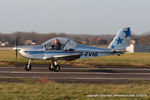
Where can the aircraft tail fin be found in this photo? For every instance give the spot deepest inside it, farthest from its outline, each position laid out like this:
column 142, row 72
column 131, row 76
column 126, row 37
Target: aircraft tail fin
column 122, row 39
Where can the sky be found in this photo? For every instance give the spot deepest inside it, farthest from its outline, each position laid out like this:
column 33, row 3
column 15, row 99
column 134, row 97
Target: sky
column 74, row 16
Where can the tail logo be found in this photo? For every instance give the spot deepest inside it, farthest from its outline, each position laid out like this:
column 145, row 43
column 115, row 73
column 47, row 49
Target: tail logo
column 119, row 40
column 112, row 46
column 127, row 33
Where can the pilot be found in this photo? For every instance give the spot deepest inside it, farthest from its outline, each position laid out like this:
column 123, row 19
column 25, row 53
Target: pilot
column 56, row 45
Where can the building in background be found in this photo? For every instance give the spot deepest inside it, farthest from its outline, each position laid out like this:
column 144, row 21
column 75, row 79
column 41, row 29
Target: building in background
column 29, row 42
column 4, row 44
column 138, row 47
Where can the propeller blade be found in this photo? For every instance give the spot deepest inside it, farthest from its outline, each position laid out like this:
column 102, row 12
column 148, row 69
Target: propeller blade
column 16, row 44
column 16, row 54
column 16, row 41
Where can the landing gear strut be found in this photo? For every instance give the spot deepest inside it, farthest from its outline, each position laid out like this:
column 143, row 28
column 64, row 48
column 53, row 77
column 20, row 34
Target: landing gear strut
column 54, row 66
column 28, row 66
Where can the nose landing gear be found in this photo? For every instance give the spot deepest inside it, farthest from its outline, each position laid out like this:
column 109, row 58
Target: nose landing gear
column 28, row 66
column 54, row 66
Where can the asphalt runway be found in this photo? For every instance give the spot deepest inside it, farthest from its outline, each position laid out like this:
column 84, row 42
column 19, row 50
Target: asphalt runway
column 74, row 74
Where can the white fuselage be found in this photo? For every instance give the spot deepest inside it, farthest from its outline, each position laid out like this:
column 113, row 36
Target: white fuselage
column 39, row 52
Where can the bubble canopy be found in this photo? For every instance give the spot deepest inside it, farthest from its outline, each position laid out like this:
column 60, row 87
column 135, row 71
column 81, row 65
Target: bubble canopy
column 66, row 44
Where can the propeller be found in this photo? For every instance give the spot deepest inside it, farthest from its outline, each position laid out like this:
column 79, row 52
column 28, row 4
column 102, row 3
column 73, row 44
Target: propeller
column 16, row 47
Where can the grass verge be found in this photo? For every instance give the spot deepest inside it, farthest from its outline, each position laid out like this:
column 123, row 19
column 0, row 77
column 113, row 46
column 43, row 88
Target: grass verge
column 55, row 91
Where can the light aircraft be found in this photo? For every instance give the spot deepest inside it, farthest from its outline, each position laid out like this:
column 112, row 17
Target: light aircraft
column 66, row 49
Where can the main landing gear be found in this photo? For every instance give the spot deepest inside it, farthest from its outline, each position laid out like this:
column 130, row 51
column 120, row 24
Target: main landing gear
column 54, row 66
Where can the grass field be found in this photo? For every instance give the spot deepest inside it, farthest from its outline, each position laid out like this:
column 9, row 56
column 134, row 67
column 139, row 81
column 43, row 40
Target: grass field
column 135, row 59
column 55, row 91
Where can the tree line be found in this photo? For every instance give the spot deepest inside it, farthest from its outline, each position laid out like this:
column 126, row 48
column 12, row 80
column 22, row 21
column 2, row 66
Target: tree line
column 39, row 38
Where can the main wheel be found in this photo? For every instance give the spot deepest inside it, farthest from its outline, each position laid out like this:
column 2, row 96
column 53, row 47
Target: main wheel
column 56, row 68
column 51, row 68
column 28, row 68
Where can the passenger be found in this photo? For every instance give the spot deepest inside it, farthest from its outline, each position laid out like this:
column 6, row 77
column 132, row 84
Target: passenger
column 56, row 45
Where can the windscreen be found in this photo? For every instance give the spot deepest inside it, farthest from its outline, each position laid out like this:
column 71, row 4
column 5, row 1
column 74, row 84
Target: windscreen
column 57, row 43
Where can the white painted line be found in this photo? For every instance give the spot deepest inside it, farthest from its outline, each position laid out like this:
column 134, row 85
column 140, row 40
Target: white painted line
column 126, row 68
column 115, row 78
column 79, row 78
column 83, row 73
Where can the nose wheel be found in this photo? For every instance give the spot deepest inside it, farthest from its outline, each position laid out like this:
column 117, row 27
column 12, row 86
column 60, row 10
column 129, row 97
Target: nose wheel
column 28, row 66
column 54, row 66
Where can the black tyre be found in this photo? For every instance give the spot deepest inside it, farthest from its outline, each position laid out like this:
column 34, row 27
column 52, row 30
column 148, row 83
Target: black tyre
column 51, row 68
column 28, row 68
column 56, row 68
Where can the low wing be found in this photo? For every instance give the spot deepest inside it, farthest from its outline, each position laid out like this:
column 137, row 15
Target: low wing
column 67, row 57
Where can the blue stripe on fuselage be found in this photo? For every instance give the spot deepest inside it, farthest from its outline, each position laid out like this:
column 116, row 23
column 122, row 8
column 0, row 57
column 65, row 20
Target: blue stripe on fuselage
column 43, row 52
column 58, row 52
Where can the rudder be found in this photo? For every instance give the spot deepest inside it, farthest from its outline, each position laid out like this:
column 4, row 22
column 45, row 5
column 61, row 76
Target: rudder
column 122, row 39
